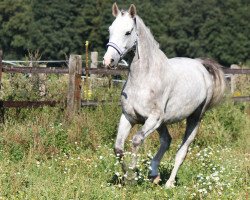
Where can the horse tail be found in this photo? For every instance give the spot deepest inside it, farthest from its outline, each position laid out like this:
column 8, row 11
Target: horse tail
column 219, row 86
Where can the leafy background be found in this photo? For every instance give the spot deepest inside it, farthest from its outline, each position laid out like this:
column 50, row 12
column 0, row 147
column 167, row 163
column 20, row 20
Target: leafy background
column 192, row 28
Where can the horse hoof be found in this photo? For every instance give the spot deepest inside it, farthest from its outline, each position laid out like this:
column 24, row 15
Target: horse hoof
column 169, row 185
column 130, row 176
column 130, row 179
column 156, row 180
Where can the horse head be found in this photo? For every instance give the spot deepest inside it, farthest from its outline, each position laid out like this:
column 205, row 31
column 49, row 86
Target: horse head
column 122, row 35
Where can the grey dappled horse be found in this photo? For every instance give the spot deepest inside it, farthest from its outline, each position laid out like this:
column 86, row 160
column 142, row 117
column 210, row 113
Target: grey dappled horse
column 159, row 91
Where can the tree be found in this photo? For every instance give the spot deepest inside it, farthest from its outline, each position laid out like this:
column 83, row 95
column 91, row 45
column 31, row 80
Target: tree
column 16, row 25
column 192, row 28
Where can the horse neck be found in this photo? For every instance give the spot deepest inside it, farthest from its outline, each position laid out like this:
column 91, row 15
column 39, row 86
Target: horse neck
column 148, row 56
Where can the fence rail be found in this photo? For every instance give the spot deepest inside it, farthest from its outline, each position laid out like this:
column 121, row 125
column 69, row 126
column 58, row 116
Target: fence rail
column 35, row 70
column 100, row 71
column 241, row 99
column 27, row 104
column 236, row 71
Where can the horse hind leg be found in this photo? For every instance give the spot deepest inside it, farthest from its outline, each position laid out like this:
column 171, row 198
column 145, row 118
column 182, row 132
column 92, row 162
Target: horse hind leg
column 193, row 122
column 165, row 140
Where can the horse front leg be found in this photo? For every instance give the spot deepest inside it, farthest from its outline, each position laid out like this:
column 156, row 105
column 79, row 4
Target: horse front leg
column 123, row 131
column 151, row 124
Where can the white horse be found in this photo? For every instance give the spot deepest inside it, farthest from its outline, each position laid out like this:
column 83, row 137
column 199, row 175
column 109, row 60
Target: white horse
column 159, row 91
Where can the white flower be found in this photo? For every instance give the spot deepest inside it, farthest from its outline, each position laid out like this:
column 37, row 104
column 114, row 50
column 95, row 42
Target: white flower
column 117, row 174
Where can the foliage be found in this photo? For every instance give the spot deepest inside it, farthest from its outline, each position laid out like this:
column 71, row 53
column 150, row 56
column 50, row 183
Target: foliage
column 198, row 28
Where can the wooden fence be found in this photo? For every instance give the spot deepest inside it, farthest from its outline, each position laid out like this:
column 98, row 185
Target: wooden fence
column 75, row 71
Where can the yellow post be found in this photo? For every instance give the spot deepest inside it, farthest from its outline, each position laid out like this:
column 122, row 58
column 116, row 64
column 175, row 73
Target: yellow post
column 87, row 90
column 87, row 62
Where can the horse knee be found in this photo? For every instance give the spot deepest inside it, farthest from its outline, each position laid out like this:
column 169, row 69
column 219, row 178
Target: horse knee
column 118, row 152
column 137, row 139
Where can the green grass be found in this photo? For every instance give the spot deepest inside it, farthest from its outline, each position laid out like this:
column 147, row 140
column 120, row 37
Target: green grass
column 42, row 156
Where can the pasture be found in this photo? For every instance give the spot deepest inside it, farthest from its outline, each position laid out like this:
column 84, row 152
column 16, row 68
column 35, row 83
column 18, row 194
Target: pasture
column 45, row 157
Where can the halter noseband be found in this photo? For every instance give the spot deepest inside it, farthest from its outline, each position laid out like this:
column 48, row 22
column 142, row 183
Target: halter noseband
column 119, row 51
column 112, row 44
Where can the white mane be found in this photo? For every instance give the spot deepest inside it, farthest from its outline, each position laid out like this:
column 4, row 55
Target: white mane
column 143, row 28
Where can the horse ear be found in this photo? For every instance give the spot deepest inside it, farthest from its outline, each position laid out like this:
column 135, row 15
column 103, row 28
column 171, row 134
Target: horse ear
column 115, row 10
column 132, row 10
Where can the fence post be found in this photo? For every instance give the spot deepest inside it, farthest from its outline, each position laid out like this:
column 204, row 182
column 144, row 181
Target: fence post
column 1, row 68
column 2, row 111
column 93, row 65
column 94, row 60
column 42, row 80
column 74, row 87
column 233, row 79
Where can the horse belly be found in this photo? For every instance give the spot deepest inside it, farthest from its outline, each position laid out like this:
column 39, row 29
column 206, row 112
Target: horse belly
column 183, row 103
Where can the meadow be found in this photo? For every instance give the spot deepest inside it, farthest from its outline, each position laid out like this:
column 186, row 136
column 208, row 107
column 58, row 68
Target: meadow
column 43, row 156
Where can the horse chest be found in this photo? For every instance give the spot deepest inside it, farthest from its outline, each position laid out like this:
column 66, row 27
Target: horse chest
column 135, row 104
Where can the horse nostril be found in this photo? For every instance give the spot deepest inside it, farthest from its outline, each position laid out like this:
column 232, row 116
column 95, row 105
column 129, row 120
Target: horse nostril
column 112, row 60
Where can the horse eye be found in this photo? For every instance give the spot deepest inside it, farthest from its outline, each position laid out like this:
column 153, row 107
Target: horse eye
column 128, row 33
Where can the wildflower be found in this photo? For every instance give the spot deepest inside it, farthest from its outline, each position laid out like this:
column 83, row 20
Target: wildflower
column 117, row 174
column 101, row 157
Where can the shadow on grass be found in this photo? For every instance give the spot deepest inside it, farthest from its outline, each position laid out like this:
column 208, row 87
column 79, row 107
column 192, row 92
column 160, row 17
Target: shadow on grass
column 115, row 180
column 164, row 174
